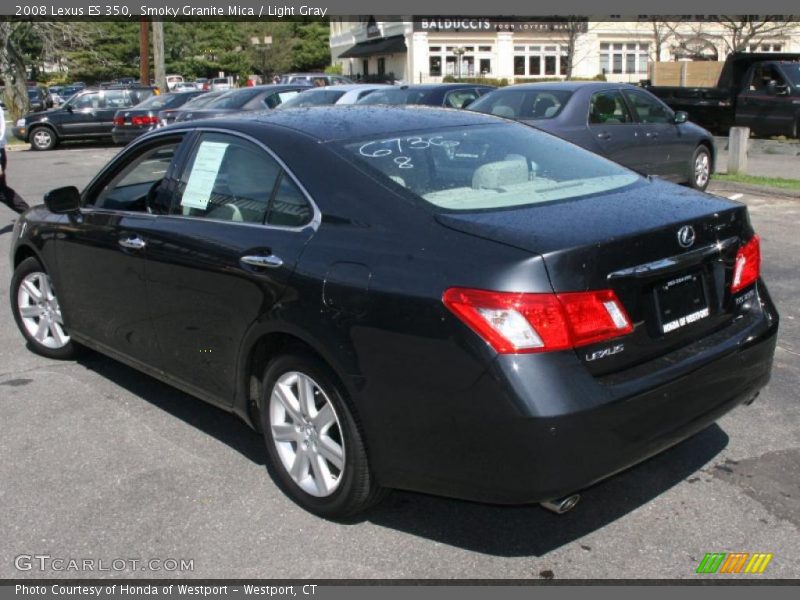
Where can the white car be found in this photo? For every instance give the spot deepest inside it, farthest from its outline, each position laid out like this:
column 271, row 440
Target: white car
column 333, row 94
column 219, row 84
column 173, row 80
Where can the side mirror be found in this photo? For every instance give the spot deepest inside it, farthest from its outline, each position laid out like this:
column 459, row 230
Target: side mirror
column 63, row 200
column 680, row 117
column 772, row 87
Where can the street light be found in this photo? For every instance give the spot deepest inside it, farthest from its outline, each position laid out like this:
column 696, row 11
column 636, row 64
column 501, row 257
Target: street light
column 262, row 47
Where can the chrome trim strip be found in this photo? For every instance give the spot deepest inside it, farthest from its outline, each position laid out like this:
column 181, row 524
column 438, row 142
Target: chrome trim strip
column 674, row 263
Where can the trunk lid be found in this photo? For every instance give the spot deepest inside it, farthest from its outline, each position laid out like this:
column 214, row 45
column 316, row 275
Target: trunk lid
column 628, row 241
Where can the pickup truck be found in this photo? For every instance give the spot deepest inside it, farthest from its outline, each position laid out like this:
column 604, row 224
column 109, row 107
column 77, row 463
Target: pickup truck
column 756, row 90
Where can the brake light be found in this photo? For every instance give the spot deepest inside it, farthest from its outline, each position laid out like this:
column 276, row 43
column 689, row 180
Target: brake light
column 516, row 322
column 747, row 266
column 119, row 121
column 144, row 120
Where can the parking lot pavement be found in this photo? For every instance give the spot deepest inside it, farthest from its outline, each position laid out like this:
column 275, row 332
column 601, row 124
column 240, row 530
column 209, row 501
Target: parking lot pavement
column 99, row 461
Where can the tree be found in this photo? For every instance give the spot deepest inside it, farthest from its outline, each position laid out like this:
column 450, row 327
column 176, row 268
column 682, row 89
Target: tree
column 24, row 46
column 736, row 32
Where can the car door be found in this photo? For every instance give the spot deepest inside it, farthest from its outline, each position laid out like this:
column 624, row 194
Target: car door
column 613, row 131
column 762, row 105
column 79, row 118
column 101, row 253
column 223, row 257
column 668, row 152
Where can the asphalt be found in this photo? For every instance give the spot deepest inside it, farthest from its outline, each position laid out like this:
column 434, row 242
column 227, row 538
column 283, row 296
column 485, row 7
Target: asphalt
column 102, row 462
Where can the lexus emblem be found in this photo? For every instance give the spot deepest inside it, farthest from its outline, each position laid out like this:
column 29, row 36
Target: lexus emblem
column 686, row 236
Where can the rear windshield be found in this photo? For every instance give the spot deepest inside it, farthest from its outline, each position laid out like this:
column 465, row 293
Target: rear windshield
column 162, row 101
column 488, row 166
column 235, row 99
column 314, row 98
column 793, row 73
column 522, row 104
column 397, row 96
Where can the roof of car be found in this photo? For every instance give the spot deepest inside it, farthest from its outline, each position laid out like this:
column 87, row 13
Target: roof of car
column 439, row 86
column 348, row 87
column 327, row 123
column 568, row 86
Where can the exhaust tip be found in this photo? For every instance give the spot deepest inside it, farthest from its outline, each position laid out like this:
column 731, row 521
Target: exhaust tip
column 562, row 505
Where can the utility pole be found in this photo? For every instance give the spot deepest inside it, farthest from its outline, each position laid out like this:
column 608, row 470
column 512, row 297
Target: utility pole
column 144, row 52
column 158, row 56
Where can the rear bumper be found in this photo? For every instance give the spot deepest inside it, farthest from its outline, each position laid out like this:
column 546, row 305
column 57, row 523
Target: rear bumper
column 125, row 135
column 565, row 431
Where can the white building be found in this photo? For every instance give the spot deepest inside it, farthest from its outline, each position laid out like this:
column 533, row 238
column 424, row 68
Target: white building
column 426, row 49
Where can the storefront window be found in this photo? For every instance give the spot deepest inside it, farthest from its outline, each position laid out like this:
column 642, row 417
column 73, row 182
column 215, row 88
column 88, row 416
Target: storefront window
column 435, row 66
column 630, row 57
column 381, row 66
column 519, row 65
column 460, row 61
column 540, row 60
column 486, row 66
column 549, row 65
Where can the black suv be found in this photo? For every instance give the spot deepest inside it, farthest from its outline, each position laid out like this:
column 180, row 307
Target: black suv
column 88, row 115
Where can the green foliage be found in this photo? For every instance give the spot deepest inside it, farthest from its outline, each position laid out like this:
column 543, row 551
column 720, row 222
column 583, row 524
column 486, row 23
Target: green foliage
column 481, row 80
column 203, row 49
column 334, row 69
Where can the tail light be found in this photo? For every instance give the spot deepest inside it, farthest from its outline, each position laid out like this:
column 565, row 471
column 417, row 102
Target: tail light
column 140, row 121
column 119, row 121
column 747, row 266
column 516, row 322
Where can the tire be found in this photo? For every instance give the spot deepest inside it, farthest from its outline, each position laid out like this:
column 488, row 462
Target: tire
column 43, row 138
column 316, row 449
column 37, row 312
column 700, row 168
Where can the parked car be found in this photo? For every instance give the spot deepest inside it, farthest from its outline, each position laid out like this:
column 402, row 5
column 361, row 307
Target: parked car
column 186, row 86
column 220, row 84
column 173, row 80
column 203, row 83
column 39, row 98
column 333, row 94
column 70, row 90
column 130, row 123
column 620, row 121
column 447, row 302
column 315, row 79
column 170, row 115
column 756, row 90
column 55, row 94
column 87, row 115
column 452, row 95
column 261, row 97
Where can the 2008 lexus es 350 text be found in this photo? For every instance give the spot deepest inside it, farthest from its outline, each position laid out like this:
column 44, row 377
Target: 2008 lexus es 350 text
column 406, row 297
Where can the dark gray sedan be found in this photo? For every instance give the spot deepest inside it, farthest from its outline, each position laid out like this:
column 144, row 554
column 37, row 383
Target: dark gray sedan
column 620, row 121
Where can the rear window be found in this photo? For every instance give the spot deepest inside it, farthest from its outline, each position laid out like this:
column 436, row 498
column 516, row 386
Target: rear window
column 313, row 98
column 235, row 99
column 793, row 73
column 398, row 96
column 522, row 104
column 487, row 167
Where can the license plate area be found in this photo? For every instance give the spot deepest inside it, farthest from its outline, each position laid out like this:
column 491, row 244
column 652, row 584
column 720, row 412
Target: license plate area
column 681, row 301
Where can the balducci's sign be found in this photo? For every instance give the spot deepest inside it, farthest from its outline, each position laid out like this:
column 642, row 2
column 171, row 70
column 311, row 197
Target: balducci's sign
column 469, row 24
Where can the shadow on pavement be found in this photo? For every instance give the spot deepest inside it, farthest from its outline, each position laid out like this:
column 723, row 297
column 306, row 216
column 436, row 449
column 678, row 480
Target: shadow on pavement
column 488, row 529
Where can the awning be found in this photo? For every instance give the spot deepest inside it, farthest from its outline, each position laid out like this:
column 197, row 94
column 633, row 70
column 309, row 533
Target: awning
column 390, row 45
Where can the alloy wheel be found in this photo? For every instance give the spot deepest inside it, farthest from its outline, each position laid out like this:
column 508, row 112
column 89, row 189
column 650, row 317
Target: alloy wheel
column 307, row 434
column 42, row 138
column 40, row 312
column 702, row 169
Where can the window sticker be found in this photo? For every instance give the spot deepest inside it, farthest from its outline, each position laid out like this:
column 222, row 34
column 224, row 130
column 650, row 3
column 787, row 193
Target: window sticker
column 204, row 174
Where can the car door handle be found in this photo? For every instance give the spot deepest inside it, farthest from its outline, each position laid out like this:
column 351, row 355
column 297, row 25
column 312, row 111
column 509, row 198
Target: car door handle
column 133, row 243
column 652, row 134
column 261, row 260
column 604, row 135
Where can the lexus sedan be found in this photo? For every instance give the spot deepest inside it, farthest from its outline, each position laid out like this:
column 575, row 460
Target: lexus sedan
column 622, row 122
column 130, row 123
column 447, row 302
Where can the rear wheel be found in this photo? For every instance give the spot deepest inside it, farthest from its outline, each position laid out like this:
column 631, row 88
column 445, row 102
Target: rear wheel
column 37, row 311
column 700, row 168
column 316, row 449
column 43, row 138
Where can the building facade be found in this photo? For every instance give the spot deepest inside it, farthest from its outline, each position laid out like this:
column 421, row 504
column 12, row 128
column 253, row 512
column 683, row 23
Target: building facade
column 427, row 49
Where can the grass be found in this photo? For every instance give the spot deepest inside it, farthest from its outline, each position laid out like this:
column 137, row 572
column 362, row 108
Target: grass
column 776, row 182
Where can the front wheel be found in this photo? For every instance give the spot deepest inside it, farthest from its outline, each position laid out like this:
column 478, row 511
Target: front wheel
column 316, row 450
column 700, row 168
column 37, row 311
column 43, row 138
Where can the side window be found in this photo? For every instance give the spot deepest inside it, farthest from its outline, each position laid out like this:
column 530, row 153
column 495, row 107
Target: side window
column 289, row 207
column 227, row 179
column 763, row 75
column 130, row 189
column 278, row 98
column 116, row 99
column 649, row 110
column 91, row 100
column 457, row 98
column 608, row 108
